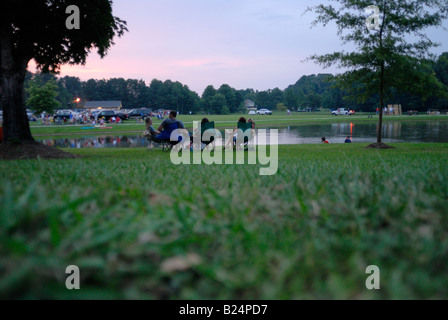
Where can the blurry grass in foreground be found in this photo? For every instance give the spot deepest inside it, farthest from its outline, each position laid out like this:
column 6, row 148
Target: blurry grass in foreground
column 139, row 227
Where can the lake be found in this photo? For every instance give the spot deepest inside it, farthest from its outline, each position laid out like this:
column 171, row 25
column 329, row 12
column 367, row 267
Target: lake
column 427, row 131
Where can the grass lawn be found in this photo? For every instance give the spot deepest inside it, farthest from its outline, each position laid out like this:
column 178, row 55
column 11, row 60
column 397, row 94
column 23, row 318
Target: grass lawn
column 139, row 227
column 225, row 121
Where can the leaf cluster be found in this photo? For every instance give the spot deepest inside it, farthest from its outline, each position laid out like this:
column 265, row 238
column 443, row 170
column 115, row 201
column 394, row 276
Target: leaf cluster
column 37, row 30
column 396, row 54
column 43, row 98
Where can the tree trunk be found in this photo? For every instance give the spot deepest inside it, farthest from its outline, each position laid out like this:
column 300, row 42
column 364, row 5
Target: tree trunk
column 382, row 80
column 380, row 121
column 16, row 127
column 13, row 68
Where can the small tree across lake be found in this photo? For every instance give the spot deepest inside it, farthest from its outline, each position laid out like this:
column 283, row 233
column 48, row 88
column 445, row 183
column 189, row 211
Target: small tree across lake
column 392, row 49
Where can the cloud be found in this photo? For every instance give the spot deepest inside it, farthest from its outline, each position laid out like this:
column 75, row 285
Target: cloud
column 206, row 63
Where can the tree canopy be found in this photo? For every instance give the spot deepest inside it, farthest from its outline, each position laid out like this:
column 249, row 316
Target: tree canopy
column 43, row 98
column 310, row 91
column 37, row 30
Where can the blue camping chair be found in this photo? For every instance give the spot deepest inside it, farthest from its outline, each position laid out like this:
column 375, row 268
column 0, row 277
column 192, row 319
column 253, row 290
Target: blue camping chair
column 163, row 140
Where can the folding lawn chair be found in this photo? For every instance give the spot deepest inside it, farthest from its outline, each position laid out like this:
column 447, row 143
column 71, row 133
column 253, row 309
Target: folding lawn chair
column 155, row 144
column 248, row 133
column 205, row 142
column 163, row 141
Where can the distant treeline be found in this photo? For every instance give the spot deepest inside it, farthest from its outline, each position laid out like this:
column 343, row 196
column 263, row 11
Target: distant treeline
column 313, row 91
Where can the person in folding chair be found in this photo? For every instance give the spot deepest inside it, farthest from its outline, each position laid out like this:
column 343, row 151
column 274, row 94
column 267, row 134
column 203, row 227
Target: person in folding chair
column 247, row 128
column 151, row 133
column 166, row 129
column 203, row 141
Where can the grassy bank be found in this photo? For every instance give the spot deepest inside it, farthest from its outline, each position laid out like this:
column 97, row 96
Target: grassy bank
column 139, row 227
column 227, row 121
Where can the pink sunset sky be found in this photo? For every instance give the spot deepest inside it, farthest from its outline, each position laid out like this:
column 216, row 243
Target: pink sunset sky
column 258, row 44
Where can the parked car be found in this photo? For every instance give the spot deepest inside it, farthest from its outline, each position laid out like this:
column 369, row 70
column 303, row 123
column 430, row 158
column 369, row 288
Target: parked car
column 64, row 112
column 123, row 115
column 252, row 112
column 140, row 113
column 340, row 112
column 30, row 115
column 264, row 112
column 61, row 117
column 108, row 115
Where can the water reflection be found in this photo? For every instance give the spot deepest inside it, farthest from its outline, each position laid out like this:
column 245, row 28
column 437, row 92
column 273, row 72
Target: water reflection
column 97, row 142
column 393, row 131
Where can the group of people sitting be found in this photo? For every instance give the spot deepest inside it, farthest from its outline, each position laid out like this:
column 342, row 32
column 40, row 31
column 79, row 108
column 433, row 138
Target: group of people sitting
column 325, row 140
column 163, row 133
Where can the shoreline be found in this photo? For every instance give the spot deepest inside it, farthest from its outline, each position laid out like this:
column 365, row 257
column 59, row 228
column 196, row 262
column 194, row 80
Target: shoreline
column 222, row 124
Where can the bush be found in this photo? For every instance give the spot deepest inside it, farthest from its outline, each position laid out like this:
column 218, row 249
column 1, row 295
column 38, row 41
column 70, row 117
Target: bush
column 281, row 107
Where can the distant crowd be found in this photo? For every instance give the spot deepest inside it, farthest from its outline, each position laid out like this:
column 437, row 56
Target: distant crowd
column 71, row 119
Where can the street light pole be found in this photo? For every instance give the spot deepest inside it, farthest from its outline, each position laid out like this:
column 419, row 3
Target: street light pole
column 77, row 101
